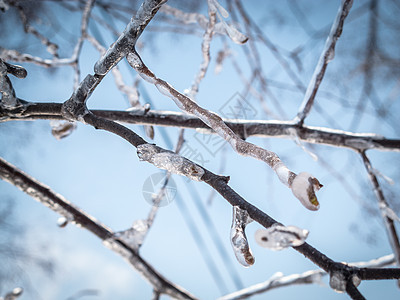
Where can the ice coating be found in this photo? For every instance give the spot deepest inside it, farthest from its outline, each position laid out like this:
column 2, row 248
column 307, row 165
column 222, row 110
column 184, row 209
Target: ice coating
column 235, row 35
column 278, row 237
column 61, row 129
column 304, row 186
column 388, row 212
column 126, row 41
column 170, row 161
column 242, row 147
column 283, row 173
column 238, row 237
column 134, row 236
column 337, row 281
column 7, row 93
column 328, row 53
column 113, row 245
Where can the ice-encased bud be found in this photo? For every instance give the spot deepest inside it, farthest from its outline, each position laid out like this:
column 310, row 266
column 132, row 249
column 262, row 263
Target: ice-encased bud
column 278, row 237
column 304, row 187
column 238, row 237
column 61, row 129
column 134, row 236
column 62, row 222
column 170, row 161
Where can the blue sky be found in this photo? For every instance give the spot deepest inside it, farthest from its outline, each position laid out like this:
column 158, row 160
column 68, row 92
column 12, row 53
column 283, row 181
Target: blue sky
column 101, row 174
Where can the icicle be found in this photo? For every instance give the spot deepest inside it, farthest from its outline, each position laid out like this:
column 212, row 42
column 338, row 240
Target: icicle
column 61, row 129
column 304, row 186
column 62, row 222
column 238, row 237
column 170, row 161
column 134, row 236
column 278, row 237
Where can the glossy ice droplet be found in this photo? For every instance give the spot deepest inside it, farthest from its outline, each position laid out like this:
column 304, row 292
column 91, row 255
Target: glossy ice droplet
column 62, row 222
column 278, row 237
column 61, row 129
column 238, row 237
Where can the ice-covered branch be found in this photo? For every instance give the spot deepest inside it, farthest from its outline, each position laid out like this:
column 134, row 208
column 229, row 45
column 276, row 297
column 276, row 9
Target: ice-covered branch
column 205, row 50
column 127, row 40
column 60, row 205
column 308, row 277
column 308, row 187
column 13, row 295
column 388, row 218
column 260, row 128
column 278, row 237
column 327, row 55
column 170, row 161
column 8, row 100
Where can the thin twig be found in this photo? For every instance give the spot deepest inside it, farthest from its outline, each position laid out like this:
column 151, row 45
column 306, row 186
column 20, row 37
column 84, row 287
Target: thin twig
column 383, row 205
column 328, row 53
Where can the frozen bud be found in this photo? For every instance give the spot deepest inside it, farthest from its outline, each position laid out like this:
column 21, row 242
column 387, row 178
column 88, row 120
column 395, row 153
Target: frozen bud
column 61, row 129
column 304, row 187
column 149, row 131
column 170, row 161
column 278, row 237
column 238, row 237
column 62, row 222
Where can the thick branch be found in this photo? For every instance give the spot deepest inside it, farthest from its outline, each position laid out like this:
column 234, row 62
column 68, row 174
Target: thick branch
column 245, row 128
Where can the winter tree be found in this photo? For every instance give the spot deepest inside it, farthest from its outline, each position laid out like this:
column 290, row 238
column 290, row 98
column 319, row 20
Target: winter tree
column 220, row 148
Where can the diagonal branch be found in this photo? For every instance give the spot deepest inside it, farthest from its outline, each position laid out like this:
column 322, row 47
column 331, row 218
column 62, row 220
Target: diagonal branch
column 60, row 205
column 327, row 55
column 384, row 207
column 308, row 185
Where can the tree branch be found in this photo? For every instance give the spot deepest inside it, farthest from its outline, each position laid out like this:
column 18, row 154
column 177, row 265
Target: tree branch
column 327, row 55
column 245, row 128
column 60, row 205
